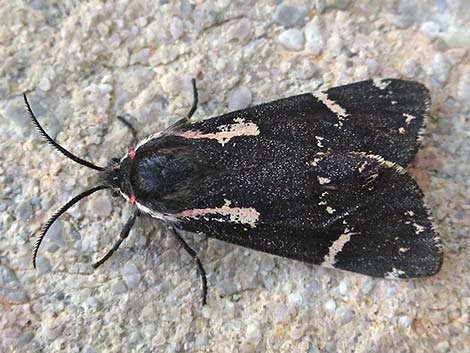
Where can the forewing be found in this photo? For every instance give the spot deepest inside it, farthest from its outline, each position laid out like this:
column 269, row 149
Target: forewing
column 350, row 211
column 382, row 117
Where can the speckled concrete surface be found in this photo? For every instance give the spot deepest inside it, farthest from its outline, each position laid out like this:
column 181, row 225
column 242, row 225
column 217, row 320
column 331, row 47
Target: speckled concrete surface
column 85, row 63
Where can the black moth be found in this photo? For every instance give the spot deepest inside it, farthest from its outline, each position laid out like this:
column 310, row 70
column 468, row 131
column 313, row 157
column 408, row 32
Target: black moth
column 315, row 177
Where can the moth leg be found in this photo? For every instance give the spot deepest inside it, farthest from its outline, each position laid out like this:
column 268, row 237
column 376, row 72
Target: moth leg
column 195, row 100
column 129, row 126
column 192, row 253
column 124, row 233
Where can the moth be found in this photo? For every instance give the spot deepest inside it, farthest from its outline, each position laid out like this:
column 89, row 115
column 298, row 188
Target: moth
column 318, row 177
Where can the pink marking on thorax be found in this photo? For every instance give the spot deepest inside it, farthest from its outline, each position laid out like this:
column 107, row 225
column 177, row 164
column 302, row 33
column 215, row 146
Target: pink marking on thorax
column 131, row 154
column 132, row 199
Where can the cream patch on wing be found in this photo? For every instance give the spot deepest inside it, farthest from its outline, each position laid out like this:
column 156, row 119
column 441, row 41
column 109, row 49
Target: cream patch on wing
column 240, row 215
column 330, row 259
column 239, row 128
column 334, row 107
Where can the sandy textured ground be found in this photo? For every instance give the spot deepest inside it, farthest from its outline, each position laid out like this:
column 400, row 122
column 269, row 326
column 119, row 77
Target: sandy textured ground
column 86, row 63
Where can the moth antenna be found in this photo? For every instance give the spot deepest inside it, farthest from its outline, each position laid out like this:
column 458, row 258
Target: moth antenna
column 58, row 213
column 54, row 144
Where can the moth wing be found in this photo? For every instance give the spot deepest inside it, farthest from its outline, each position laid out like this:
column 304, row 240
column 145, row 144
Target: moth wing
column 381, row 117
column 388, row 114
column 352, row 211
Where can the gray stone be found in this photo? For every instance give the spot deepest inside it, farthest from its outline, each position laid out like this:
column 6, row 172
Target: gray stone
column 315, row 36
column 13, row 111
column 100, row 205
column 119, row 287
column 279, row 313
column 239, row 98
column 18, row 296
column 338, row 4
column 24, row 338
column 405, row 321
column 289, row 16
column 7, row 276
column 292, row 39
column 176, row 28
column 130, row 275
column 430, row 29
column 43, row 265
column 330, row 305
column 440, row 68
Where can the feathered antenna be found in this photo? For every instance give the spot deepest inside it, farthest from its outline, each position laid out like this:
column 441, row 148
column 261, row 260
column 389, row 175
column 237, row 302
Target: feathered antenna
column 77, row 198
column 58, row 213
column 55, row 144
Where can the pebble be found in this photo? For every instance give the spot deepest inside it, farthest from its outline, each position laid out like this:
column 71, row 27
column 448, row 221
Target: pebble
column 201, row 340
column 405, row 321
column 430, row 29
column 119, row 287
column 296, row 299
column 320, row 5
column 102, row 29
column 51, row 330
column 463, row 88
column 185, row 9
column 314, row 285
column 100, row 205
column 290, row 16
column 440, row 68
column 92, row 303
column 24, row 338
column 315, row 36
column 338, row 4
column 24, row 210
column 279, row 313
column 43, row 265
column 457, row 38
column 314, row 349
column 390, row 291
column 246, row 347
column 330, row 305
column 253, row 333
column 242, row 30
column 140, row 57
column 55, row 233
column 292, row 39
column 368, row 285
column 331, row 347
column 89, row 349
column 130, row 275
column 305, row 70
column 13, row 111
column 105, row 88
column 343, row 287
column 411, row 68
column 176, row 28
column 296, row 333
column 345, row 315
column 7, row 276
column 239, row 98
column 227, row 286
column 44, row 84
column 18, row 296
column 372, row 67
column 171, row 84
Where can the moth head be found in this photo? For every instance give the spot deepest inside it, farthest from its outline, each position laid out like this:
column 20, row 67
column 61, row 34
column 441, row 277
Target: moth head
column 116, row 176
column 110, row 177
